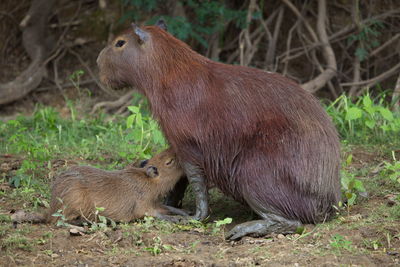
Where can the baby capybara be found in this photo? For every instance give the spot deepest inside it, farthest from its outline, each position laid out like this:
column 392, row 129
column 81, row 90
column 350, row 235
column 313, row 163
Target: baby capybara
column 125, row 195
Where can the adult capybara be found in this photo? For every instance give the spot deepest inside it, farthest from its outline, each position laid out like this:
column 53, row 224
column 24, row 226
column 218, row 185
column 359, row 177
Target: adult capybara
column 258, row 136
column 125, row 195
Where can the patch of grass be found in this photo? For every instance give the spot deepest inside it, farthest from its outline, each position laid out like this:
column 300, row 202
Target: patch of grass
column 17, row 241
column 5, row 218
column 395, row 212
column 339, row 244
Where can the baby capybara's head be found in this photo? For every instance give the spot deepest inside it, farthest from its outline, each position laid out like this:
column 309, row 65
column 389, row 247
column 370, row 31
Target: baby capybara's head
column 163, row 166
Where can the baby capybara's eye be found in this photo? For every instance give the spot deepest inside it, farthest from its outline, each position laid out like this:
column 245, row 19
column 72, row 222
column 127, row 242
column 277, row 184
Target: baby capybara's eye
column 120, row 43
column 169, row 162
column 143, row 163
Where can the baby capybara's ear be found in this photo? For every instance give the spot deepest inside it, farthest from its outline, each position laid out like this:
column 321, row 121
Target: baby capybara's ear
column 143, row 163
column 152, row 172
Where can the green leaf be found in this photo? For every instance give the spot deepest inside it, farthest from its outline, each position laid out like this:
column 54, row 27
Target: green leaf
column 139, row 120
column 353, row 114
column 359, row 186
column 349, row 159
column 385, row 128
column 223, row 222
column 370, row 109
column 370, row 123
column 352, row 199
column 129, row 121
column 133, row 109
column 386, row 113
column 361, row 53
column 100, row 209
column 137, row 134
column 367, row 102
column 158, row 137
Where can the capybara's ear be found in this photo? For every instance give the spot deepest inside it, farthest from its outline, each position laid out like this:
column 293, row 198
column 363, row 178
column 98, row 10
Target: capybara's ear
column 152, row 172
column 161, row 24
column 143, row 36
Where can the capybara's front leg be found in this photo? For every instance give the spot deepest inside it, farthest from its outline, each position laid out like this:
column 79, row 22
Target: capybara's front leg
column 196, row 180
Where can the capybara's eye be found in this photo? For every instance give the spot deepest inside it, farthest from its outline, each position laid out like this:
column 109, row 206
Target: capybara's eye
column 169, row 162
column 120, row 43
column 143, row 163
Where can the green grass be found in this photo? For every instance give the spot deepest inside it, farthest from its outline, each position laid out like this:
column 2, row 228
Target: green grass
column 366, row 120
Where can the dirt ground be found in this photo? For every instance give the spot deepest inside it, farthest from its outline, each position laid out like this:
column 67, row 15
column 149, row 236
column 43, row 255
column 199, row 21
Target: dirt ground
column 367, row 235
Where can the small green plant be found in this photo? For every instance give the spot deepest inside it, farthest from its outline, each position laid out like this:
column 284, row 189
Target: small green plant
column 372, row 244
column 143, row 131
column 75, row 78
column 44, row 238
column 392, row 169
column 220, row 225
column 101, row 222
column 339, row 243
column 351, row 186
column 62, row 221
column 192, row 247
column 158, row 247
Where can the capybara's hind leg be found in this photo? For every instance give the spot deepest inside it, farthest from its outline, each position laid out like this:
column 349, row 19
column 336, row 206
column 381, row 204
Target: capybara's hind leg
column 271, row 223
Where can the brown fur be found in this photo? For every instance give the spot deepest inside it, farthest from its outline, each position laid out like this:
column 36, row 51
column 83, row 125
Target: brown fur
column 257, row 136
column 125, row 195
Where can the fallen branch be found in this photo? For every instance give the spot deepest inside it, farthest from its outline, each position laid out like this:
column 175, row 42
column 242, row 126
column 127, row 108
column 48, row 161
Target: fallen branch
column 113, row 104
column 34, row 38
column 375, row 80
column 330, row 72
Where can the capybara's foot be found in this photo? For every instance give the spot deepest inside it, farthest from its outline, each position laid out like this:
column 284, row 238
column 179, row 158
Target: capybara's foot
column 263, row 227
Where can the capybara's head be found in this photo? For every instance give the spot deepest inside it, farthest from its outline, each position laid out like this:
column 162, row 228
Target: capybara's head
column 124, row 61
column 163, row 165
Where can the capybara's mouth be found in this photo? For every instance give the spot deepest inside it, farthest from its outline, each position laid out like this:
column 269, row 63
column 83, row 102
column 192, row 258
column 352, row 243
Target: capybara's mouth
column 113, row 84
